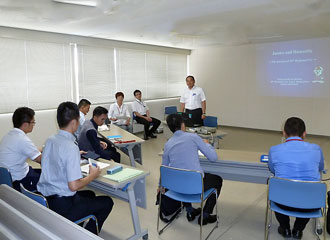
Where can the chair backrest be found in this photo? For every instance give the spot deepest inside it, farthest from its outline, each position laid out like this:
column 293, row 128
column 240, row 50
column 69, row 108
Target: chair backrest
column 170, row 109
column 297, row 194
column 36, row 197
column 181, row 180
column 5, row 177
column 211, row 121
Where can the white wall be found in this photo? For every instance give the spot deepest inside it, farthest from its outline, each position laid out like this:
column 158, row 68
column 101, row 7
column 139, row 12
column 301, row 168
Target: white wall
column 46, row 124
column 228, row 77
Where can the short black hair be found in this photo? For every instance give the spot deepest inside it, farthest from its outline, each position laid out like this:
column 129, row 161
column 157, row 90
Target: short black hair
column 174, row 121
column 66, row 112
column 83, row 102
column 136, row 91
column 98, row 111
column 119, row 94
column 190, row 76
column 22, row 115
column 294, row 126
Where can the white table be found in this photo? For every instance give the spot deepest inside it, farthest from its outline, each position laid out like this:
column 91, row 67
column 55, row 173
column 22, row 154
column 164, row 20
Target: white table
column 213, row 138
column 132, row 190
column 132, row 149
column 23, row 218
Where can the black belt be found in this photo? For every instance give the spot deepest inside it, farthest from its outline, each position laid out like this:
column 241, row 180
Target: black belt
column 55, row 196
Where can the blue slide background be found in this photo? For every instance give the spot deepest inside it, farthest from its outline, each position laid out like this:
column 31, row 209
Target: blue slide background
column 287, row 68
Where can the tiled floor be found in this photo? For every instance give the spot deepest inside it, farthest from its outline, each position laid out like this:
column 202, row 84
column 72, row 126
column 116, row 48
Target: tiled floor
column 241, row 205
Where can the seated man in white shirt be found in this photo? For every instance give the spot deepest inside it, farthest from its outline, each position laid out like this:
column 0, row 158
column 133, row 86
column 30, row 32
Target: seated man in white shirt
column 84, row 106
column 119, row 114
column 193, row 101
column 141, row 111
column 16, row 148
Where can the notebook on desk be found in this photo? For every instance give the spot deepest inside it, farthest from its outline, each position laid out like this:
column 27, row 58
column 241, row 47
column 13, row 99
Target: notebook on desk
column 123, row 175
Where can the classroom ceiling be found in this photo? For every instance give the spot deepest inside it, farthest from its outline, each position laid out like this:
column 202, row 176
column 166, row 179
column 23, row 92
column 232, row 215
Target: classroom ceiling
column 176, row 23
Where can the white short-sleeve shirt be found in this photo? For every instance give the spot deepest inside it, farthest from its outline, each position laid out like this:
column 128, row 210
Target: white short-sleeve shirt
column 115, row 111
column 60, row 165
column 15, row 149
column 140, row 107
column 82, row 118
column 193, row 98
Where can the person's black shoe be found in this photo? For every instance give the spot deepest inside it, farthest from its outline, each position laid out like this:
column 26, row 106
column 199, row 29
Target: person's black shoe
column 152, row 135
column 145, row 137
column 209, row 219
column 191, row 216
column 285, row 232
column 297, row 234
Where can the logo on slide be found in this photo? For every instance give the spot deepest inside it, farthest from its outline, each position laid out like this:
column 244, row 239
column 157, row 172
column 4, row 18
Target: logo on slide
column 318, row 71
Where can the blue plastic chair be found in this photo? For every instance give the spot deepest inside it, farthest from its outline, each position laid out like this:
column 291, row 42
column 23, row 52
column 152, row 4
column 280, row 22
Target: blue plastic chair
column 296, row 194
column 211, row 121
column 5, row 177
column 43, row 201
column 185, row 186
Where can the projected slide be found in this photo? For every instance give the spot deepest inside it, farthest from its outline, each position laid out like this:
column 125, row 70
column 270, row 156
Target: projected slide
column 294, row 69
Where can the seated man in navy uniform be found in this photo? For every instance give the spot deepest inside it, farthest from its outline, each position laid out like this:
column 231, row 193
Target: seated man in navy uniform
column 88, row 140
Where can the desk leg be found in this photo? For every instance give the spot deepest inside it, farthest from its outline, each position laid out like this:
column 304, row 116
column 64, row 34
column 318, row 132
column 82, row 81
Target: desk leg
column 135, row 217
column 131, row 155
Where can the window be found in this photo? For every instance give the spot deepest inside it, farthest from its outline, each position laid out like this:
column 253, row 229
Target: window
column 96, row 75
column 33, row 74
column 156, row 74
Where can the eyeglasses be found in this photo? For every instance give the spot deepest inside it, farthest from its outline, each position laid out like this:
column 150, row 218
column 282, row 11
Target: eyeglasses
column 33, row 122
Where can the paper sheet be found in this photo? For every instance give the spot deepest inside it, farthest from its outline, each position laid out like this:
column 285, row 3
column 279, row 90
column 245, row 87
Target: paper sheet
column 85, row 168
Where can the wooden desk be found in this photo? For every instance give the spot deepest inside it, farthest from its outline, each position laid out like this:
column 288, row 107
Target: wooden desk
column 132, row 149
column 132, row 190
column 23, row 218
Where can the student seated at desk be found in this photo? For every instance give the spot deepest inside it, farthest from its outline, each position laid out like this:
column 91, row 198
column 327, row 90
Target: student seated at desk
column 297, row 160
column 119, row 114
column 61, row 176
column 16, row 147
column 181, row 151
column 142, row 114
column 84, row 106
column 88, row 140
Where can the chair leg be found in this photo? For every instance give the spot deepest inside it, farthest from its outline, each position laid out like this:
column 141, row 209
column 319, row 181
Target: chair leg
column 201, row 225
column 160, row 201
column 267, row 224
column 217, row 222
column 175, row 215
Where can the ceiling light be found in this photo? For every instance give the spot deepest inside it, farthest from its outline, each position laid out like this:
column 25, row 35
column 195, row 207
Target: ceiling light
column 89, row 3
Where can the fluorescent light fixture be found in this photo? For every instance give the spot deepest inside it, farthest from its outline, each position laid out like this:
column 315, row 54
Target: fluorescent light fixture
column 89, row 3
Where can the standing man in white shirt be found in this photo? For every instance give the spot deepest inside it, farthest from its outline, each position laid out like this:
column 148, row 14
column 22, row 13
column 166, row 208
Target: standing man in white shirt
column 119, row 114
column 193, row 101
column 141, row 111
column 84, row 106
column 16, row 147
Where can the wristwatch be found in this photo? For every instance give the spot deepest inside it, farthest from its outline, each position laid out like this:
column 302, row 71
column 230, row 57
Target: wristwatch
column 204, row 113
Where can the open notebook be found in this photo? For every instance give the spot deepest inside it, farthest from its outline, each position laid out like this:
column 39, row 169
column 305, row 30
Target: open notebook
column 123, row 175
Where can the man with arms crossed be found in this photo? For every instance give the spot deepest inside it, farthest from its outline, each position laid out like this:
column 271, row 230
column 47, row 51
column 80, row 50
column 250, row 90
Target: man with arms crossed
column 88, row 140
column 193, row 101
column 61, row 176
column 16, row 147
column 181, row 151
column 298, row 160
column 84, row 106
column 141, row 111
